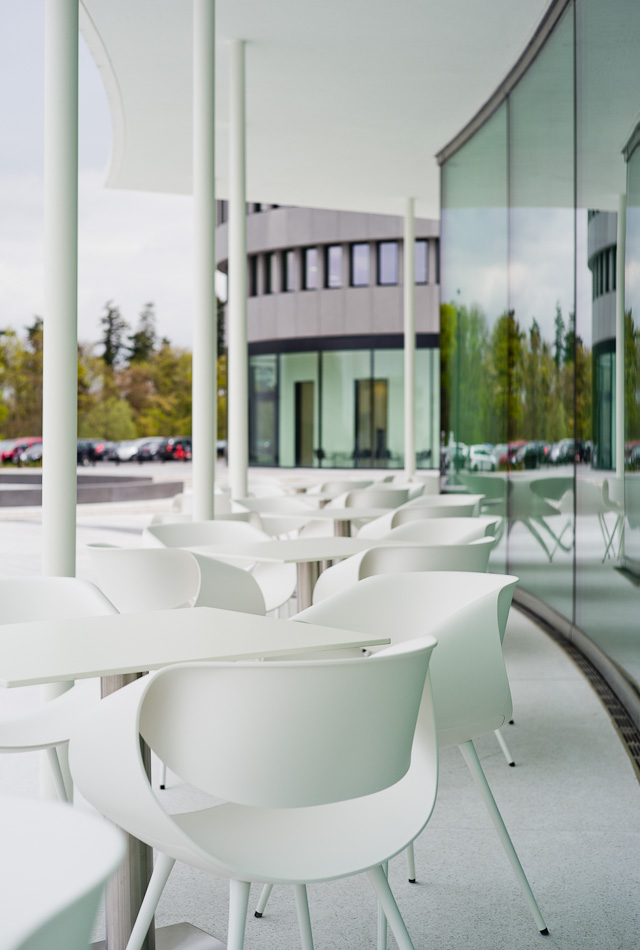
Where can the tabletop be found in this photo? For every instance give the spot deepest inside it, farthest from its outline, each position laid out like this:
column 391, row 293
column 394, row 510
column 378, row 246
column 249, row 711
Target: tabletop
column 287, row 550
column 49, row 651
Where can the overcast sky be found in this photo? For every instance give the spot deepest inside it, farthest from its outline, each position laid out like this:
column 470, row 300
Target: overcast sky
column 134, row 247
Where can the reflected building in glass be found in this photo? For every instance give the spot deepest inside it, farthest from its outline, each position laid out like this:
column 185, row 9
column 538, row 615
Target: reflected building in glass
column 540, row 246
column 325, row 331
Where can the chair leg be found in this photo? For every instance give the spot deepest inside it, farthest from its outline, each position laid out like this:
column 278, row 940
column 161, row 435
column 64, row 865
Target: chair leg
column 390, row 908
column 161, row 871
column 238, row 903
column 411, row 864
column 264, row 897
column 304, row 920
column 473, row 762
column 163, row 775
column 56, row 774
column 505, row 748
column 382, row 920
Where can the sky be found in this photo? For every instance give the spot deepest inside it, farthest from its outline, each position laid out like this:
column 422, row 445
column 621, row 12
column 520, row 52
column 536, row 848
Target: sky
column 134, row 247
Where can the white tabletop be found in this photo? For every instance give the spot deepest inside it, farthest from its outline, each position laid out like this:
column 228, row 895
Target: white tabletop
column 287, row 550
column 49, row 651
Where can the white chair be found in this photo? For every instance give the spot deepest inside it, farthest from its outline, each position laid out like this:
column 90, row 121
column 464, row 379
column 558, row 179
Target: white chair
column 55, row 863
column 453, row 509
column 443, row 530
column 277, row 581
column 313, row 754
column 397, row 559
column 136, row 579
column 468, row 615
column 375, row 497
column 49, row 726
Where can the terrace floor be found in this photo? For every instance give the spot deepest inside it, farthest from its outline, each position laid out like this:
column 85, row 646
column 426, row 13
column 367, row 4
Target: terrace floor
column 572, row 805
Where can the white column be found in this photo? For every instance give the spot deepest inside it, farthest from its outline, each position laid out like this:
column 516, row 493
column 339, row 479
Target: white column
column 620, row 408
column 238, row 450
column 204, row 377
column 60, row 370
column 409, row 339
column 60, row 356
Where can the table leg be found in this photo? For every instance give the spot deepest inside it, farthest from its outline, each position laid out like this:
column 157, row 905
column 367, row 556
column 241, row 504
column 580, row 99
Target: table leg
column 342, row 528
column 308, row 574
column 128, row 885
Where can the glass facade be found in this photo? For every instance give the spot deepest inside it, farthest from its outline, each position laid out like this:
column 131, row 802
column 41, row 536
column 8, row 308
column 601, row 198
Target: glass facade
column 310, row 268
column 421, row 262
column 388, row 262
column 532, row 310
column 340, row 408
column 359, row 265
column 334, row 265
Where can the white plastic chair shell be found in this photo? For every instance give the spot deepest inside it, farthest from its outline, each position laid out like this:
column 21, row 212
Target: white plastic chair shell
column 397, row 559
column 293, row 784
column 444, row 530
column 55, row 863
column 375, row 497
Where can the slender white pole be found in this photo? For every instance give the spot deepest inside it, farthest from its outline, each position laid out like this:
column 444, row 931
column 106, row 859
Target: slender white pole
column 60, row 351
column 620, row 408
column 60, row 369
column 238, row 451
column 204, row 384
column 409, row 340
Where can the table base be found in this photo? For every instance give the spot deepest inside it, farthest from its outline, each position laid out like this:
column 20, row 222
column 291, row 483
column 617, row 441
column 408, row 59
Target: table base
column 179, row 937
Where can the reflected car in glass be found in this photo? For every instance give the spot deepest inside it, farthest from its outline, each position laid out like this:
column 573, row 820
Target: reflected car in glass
column 482, row 458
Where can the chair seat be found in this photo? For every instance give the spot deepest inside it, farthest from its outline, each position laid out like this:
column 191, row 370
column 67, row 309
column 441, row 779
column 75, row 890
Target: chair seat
column 303, row 844
column 50, row 724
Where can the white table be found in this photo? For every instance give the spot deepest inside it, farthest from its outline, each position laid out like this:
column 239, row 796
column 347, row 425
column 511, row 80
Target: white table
column 309, row 554
column 118, row 647
column 341, row 517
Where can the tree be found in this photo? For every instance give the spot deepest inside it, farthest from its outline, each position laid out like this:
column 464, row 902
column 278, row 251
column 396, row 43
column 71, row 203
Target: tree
column 559, row 338
column 113, row 334
column 143, row 341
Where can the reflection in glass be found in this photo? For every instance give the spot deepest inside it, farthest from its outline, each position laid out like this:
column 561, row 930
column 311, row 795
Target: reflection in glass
column 299, row 408
column 359, row 265
column 388, row 262
column 310, row 268
column 421, row 262
column 334, row 265
column 263, row 414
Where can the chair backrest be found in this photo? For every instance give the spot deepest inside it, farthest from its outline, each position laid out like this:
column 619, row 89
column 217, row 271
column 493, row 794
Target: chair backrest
column 444, row 530
column 377, row 498
column 467, row 613
column 392, row 559
column 447, row 501
column 25, row 599
column 55, row 863
column 279, row 504
column 339, row 487
column 454, row 510
column 194, row 533
column 136, row 579
column 227, row 587
column 288, row 734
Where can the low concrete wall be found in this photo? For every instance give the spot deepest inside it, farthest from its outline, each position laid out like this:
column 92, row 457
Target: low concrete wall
column 19, row 489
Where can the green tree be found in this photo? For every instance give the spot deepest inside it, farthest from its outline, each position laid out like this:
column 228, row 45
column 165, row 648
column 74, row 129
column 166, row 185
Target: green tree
column 113, row 334
column 143, row 342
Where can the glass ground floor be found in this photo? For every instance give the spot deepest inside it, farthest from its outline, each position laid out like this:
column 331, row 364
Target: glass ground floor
column 340, row 404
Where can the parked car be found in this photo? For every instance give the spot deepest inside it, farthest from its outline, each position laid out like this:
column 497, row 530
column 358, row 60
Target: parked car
column 13, row 453
column 149, row 450
column 103, row 450
column 532, row 454
column 85, row 452
column 127, row 450
column 481, row 458
column 567, row 451
column 32, row 455
column 176, row 449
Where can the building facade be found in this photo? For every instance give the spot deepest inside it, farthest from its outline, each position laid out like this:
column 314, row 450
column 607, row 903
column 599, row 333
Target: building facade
column 325, row 332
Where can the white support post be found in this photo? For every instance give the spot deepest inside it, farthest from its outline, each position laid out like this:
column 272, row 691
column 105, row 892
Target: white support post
column 409, row 340
column 238, row 443
column 60, row 351
column 205, row 383
column 620, row 288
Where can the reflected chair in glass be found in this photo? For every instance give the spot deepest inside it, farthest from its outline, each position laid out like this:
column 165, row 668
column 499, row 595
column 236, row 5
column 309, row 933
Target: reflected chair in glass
column 315, row 753
column 49, row 726
column 467, row 613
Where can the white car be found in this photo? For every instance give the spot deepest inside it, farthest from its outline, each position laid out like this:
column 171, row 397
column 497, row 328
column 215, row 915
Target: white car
column 482, row 458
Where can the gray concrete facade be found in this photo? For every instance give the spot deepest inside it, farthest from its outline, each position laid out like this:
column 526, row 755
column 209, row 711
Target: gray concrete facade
column 275, row 313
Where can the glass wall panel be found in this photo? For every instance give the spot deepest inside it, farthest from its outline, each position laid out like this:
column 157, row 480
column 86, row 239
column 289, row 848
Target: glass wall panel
column 310, row 268
column 334, row 265
column 346, row 429
column 421, row 262
column 540, row 326
column 474, row 322
column 388, row 262
column 263, row 409
column 299, row 400
column 427, row 408
column 359, row 265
